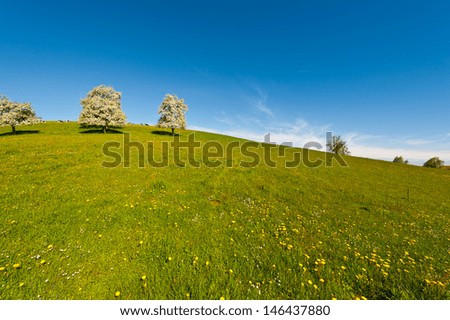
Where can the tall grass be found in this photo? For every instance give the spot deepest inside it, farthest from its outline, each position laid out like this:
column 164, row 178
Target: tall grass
column 71, row 229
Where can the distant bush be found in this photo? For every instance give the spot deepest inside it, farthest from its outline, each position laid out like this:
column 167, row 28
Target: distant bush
column 338, row 145
column 399, row 159
column 434, row 162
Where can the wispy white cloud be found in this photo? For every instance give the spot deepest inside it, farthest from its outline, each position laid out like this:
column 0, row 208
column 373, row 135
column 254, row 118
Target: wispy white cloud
column 252, row 125
column 419, row 142
column 300, row 132
column 414, row 156
column 261, row 106
column 258, row 100
column 416, row 150
column 223, row 118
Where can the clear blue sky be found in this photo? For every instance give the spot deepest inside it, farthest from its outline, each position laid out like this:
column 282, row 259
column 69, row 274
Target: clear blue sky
column 376, row 72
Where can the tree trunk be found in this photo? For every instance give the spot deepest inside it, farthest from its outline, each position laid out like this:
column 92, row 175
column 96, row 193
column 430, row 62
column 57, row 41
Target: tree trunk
column 104, row 129
column 13, row 129
column 173, row 131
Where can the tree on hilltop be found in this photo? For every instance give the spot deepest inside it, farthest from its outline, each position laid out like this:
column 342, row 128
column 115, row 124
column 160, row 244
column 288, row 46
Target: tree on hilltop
column 102, row 108
column 434, row 162
column 399, row 159
column 338, row 145
column 15, row 114
column 172, row 111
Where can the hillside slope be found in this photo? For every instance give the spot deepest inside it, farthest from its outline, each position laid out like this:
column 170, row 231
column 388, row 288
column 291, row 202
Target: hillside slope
column 72, row 229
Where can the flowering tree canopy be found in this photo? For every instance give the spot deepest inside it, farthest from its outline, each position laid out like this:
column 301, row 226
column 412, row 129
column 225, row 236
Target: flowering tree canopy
column 102, row 108
column 15, row 114
column 172, row 112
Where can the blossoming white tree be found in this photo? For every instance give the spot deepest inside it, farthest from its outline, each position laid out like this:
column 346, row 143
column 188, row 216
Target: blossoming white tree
column 15, row 114
column 102, row 108
column 172, row 112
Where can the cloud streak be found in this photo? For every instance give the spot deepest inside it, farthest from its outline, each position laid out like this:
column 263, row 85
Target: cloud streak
column 299, row 132
column 261, row 106
column 259, row 101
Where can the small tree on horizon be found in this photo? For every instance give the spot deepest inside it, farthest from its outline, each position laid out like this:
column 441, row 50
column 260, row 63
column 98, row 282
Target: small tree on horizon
column 338, row 145
column 172, row 111
column 15, row 114
column 102, row 108
column 399, row 159
column 434, row 162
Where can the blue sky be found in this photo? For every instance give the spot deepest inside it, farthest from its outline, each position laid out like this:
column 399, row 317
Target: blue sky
column 377, row 73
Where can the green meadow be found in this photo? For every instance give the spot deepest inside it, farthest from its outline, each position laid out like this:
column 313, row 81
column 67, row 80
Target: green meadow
column 72, row 229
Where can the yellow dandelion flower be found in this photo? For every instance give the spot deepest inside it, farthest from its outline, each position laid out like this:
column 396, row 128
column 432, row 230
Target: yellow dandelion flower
column 364, row 298
column 321, row 280
column 50, row 247
column 333, row 298
column 143, row 277
column 222, row 298
column 310, row 282
column 117, row 294
column 43, row 261
column 169, row 258
column 141, row 242
column 207, row 263
column 230, row 271
column 188, row 295
column 100, row 236
column 2, row 268
column 357, row 298
column 343, row 268
column 315, row 287
column 16, row 265
column 21, row 284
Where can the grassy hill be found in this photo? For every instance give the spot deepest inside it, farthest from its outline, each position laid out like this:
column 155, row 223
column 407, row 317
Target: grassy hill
column 72, row 229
